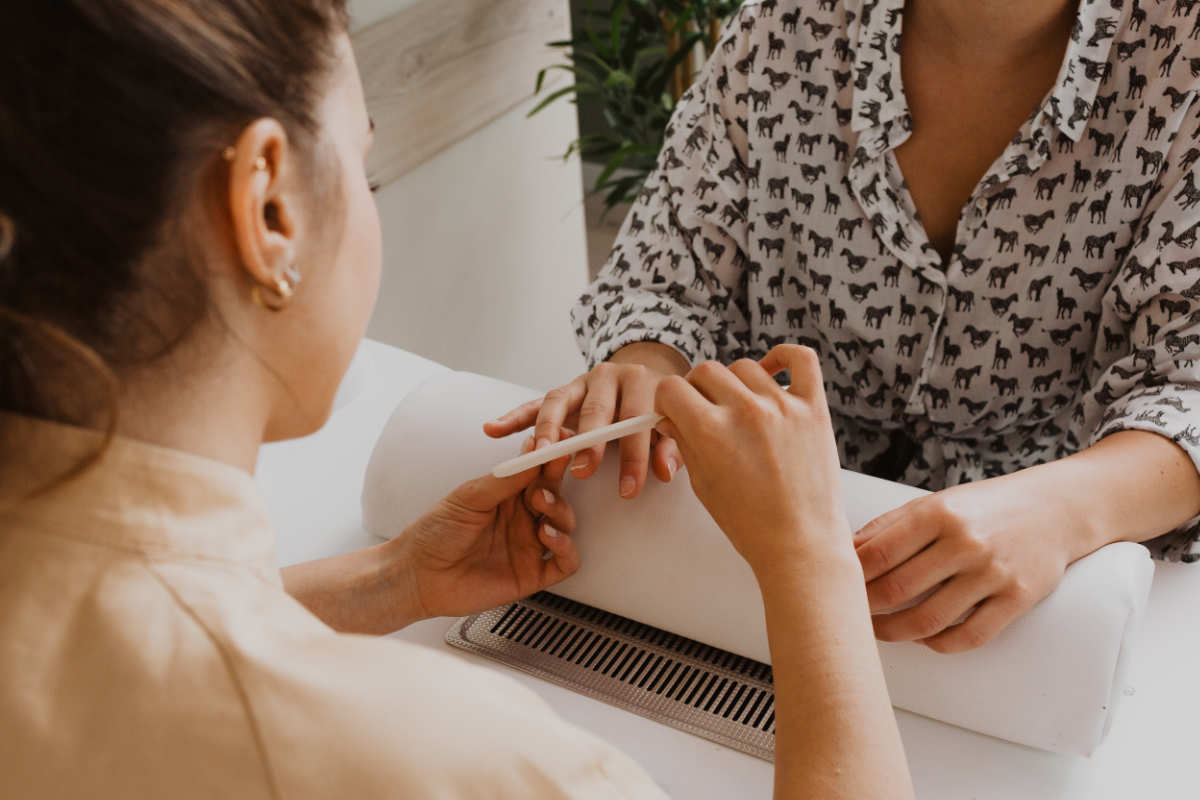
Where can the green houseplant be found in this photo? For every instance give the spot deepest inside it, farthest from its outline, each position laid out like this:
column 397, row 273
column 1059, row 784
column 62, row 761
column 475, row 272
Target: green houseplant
column 632, row 60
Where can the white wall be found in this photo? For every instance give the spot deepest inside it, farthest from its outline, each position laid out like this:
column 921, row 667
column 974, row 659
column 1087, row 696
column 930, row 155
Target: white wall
column 484, row 247
column 364, row 13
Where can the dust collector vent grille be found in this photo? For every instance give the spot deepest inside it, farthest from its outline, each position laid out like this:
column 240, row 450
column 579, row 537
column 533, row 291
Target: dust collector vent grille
column 680, row 682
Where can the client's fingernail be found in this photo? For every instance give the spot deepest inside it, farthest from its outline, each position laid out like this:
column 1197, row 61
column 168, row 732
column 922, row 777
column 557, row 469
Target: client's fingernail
column 628, row 486
column 551, row 531
column 672, row 468
column 541, row 442
column 581, row 463
column 548, row 496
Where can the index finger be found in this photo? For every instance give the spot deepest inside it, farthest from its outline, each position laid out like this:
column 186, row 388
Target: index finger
column 515, row 420
column 802, row 362
column 908, row 534
column 557, row 404
column 686, row 410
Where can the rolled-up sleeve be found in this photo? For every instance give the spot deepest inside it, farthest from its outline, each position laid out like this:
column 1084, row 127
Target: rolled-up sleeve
column 1156, row 387
column 675, row 272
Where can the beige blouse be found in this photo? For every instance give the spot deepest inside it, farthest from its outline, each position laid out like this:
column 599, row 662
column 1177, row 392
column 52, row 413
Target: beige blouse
column 148, row 649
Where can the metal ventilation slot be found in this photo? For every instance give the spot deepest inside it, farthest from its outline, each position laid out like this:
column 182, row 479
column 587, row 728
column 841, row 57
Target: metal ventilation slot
column 680, row 682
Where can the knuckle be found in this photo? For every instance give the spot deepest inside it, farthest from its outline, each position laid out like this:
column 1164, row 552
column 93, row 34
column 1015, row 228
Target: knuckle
column 557, row 395
column 669, row 390
column 635, row 461
column 977, row 549
column 938, row 506
column 751, row 409
column 971, row 636
column 892, row 589
column 942, row 646
column 743, row 365
column 805, row 356
column 927, row 622
column 875, row 559
column 706, row 369
column 633, row 371
column 594, row 407
column 672, row 383
column 1001, row 575
column 605, row 370
column 1021, row 591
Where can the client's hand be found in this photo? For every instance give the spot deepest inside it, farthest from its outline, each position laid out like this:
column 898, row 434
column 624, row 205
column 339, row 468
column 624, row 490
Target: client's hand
column 761, row 459
column 490, row 542
column 988, row 551
column 615, row 390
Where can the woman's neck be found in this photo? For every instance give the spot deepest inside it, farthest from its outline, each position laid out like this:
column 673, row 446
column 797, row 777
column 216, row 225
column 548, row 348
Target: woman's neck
column 989, row 32
column 218, row 411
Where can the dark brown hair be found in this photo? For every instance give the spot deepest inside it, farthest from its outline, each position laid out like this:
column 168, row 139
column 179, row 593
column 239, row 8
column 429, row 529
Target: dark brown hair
column 111, row 111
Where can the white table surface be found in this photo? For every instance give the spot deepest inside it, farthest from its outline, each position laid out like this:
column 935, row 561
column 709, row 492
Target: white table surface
column 313, row 485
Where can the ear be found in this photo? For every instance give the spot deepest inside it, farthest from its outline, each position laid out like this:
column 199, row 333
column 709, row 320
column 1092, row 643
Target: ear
column 259, row 209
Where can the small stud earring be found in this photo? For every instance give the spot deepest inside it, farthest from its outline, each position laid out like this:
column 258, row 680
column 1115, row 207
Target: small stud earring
column 229, row 154
column 278, row 297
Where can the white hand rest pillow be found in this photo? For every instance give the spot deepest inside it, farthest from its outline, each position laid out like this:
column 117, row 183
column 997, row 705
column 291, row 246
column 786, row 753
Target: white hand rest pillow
column 1050, row 681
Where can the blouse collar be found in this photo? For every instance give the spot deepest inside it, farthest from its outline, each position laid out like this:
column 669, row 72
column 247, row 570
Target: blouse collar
column 137, row 496
column 879, row 96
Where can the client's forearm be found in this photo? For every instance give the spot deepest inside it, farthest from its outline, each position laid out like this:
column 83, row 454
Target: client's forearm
column 836, row 734
column 653, row 355
column 1130, row 486
column 365, row 591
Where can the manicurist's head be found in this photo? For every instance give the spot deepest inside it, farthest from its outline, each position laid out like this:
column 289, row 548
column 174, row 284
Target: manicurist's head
column 186, row 228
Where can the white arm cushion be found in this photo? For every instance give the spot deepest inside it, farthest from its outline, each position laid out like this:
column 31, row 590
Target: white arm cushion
column 1049, row 681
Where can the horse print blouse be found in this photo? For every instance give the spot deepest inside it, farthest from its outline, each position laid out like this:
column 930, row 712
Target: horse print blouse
column 1069, row 310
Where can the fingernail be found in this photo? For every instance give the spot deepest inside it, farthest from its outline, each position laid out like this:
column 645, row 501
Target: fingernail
column 550, row 531
column 628, row 486
column 581, row 463
column 548, row 496
column 541, row 442
column 672, row 467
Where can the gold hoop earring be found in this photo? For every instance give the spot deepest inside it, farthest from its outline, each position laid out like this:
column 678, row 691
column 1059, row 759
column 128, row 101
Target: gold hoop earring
column 278, row 297
column 8, row 235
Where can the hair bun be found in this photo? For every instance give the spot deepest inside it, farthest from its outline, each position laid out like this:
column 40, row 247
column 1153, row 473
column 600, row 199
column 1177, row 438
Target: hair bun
column 8, row 235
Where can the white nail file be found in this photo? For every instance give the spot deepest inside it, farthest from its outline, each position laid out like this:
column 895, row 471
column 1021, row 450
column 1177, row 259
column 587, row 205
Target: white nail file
column 618, row 430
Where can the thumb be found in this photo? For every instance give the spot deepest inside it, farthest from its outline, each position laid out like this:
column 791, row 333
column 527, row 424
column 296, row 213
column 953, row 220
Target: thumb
column 487, row 492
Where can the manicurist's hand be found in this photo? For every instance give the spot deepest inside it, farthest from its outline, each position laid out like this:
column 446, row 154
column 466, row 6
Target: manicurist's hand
column 990, row 550
column 762, row 459
column 618, row 389
column 491, row 541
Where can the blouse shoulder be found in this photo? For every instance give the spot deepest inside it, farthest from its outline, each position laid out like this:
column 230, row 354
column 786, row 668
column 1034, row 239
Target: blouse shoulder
column 344, row 715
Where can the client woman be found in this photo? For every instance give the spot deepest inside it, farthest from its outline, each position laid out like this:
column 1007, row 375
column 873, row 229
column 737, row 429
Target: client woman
column 983, row 215
column 188, row 257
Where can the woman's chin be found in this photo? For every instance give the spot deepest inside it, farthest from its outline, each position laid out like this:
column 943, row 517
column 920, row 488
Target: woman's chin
column 297, row 423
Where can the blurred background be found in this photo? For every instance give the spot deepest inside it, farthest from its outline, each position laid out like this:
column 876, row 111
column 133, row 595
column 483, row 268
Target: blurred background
column 510, row 136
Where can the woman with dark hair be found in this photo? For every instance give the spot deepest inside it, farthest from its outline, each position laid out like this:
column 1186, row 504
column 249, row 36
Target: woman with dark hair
column 189, row 254
column 983, row 216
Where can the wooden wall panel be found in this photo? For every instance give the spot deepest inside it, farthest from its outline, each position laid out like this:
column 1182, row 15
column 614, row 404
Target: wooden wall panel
column 437, row 71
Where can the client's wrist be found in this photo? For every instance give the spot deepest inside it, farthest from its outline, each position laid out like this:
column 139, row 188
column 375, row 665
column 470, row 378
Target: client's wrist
column 656, row 356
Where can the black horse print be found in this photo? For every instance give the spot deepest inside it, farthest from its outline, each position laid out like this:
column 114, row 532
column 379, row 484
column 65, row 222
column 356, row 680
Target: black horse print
column 777, row 214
